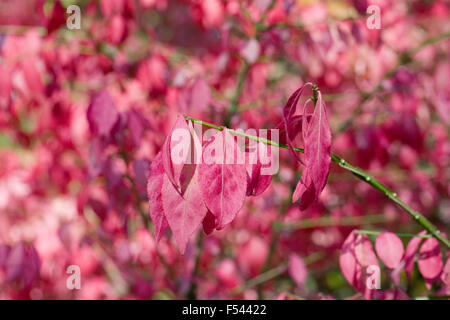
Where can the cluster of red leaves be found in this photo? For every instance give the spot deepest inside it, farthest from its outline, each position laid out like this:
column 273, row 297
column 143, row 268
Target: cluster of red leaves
column 184, row 195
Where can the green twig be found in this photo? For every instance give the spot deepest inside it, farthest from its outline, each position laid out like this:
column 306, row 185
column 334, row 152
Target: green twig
column 335, row 221
column 358, row 172
column 401, row 235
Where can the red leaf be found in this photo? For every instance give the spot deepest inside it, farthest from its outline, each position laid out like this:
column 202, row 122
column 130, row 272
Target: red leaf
column 222, row 180
column 445, row 277
column 294, row 127
column 297, row 270
column 390, row 249
column 288, row 117
column 317, row 145
column 176, row 150
column 184, row 211
column 155, row 204
column 410, row 253
column 317, row 141
column 15, row 262
column 102, row 114
column 23, row 263
column 430, row 259
column 258, row 180
column 356, row 255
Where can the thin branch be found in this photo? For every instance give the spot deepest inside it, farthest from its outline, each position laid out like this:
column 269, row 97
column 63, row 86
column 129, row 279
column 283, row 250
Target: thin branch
column 358, row 172
column 334, row 221
column 401, row 235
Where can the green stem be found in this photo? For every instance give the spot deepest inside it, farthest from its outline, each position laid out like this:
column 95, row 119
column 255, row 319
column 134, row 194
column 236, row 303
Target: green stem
column 335, row 221
column 359, row 173
column 401, row 235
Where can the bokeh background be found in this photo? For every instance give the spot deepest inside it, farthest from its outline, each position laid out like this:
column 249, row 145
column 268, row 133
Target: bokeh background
column 72, row 196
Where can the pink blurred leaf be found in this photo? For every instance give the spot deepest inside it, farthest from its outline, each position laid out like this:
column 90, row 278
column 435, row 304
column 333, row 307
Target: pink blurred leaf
column 297, row 269
column 390, row 249
column 4, row 251
column 141, row 171
column 200, row 95
column 102, row 114
column 5, row 87
column 445, row 277
column 15, row 262
column 23, row 263
column 135, row 126
column 251, row 51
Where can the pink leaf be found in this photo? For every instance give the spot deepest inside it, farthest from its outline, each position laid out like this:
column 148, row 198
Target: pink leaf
column 410, row 253
column 294, row 126
column 176, row 150
column 356, row 256
column 288, row 113
column 154, row 192
column 430, row 259
column 445, row 277
column 317, row 140
column 102, row 114
column 135, row 126
column 258, row 180
column 15, row 262
column 297, row 270
column 390, row 249
column 222, row 180
column 184, row 211
column 200, row 95
column 33, row 265
column 251, row 51
column 317, row 143
column 141, row 171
